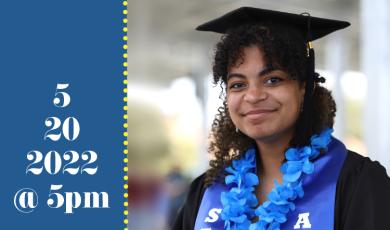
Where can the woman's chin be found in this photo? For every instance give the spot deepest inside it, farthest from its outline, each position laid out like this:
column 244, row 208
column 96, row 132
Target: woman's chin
column 267, row 135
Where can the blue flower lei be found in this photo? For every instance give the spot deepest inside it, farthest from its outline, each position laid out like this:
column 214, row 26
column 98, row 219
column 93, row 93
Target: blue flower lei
column 240, row 202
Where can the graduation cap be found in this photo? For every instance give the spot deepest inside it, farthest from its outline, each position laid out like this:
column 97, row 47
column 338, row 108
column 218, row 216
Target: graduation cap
column 310, row 27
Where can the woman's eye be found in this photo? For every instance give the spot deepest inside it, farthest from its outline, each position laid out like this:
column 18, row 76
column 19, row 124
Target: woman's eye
column 236, row 85
column 273, row 80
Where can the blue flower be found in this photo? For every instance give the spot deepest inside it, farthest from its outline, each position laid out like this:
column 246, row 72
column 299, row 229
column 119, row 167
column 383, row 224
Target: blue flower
column 251, row 180
column 305, row 152
column 270, row 215
column 274, row 226
column 292, row 154
column 307, row 167
column 240, row 169
column 292, row 166
column 292, row 171
column 298, row 163
column 259, row 225
column 237, row 226
column 280, row 194
column 322, row 140
column 239, row 202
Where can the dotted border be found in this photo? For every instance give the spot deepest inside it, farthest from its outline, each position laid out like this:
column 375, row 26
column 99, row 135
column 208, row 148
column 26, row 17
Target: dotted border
column 125, row 116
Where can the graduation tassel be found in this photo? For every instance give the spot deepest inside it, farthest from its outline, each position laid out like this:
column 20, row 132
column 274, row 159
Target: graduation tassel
column 307, row 105
column 311, row 75
column 306, row 126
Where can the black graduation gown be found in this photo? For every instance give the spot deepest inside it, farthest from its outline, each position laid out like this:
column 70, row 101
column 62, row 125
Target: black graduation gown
column 362, row 197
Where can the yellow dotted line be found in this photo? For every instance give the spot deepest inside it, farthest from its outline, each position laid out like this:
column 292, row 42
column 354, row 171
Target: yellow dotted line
column 125, row 117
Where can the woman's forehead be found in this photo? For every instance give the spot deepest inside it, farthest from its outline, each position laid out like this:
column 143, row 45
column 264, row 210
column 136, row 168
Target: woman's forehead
column 254, row 54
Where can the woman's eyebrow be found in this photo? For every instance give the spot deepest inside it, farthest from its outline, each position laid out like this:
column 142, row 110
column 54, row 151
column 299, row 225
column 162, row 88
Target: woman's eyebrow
column 231, row 75
column 262, row 73
column 267, row 71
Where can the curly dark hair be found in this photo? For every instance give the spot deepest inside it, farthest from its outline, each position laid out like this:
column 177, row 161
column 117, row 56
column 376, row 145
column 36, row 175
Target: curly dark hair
column 284, row 47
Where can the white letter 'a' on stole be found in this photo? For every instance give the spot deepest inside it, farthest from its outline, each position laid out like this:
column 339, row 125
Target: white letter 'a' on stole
column 213, row 215
column 303, row 218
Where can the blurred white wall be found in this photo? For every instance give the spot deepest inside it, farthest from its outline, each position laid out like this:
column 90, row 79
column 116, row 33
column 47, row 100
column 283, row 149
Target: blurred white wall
column 163, row 46
column 375, row 63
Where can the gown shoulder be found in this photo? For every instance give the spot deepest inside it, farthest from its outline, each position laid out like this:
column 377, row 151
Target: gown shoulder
column 186, row 216
column 362, row 195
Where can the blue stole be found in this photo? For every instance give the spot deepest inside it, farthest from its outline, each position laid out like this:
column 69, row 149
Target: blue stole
column 314, row 211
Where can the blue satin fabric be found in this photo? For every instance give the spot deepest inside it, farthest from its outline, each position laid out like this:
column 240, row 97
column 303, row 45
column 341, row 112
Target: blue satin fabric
column 316, row 207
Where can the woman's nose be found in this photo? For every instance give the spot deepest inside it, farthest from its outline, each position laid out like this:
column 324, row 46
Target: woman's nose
column 255, row 94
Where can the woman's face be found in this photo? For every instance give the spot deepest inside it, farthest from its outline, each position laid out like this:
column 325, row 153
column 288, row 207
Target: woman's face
column 263, row 103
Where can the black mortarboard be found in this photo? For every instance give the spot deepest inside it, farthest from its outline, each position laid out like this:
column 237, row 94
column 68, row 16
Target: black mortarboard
column 318, row 27
column 311, row 28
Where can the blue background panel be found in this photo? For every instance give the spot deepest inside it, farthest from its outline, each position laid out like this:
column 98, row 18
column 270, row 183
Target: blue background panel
column 43, row 43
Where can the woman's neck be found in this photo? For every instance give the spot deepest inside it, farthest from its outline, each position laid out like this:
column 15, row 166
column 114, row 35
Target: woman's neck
column 272, row 155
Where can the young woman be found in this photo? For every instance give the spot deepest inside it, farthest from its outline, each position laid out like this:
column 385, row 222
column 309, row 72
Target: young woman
column 276, row 165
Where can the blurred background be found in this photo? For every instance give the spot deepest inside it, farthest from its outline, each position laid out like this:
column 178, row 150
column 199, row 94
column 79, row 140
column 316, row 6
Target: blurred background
column 172, row 101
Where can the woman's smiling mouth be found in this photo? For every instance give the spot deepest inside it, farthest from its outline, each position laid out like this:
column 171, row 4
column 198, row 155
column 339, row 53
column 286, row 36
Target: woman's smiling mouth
column 258, row 113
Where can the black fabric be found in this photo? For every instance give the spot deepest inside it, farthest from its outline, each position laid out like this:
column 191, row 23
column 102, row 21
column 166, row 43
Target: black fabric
column 319, row 27
column 362, row 197
column 188, row 212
